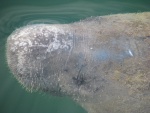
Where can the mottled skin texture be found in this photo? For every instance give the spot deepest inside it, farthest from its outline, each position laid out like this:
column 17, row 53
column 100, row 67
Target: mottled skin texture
column 101, row 62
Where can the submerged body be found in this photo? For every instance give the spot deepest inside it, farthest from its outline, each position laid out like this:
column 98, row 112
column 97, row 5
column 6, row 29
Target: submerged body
column 101, row 62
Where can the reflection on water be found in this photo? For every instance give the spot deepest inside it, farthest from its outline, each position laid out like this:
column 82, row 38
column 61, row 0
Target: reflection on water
column 13, row 98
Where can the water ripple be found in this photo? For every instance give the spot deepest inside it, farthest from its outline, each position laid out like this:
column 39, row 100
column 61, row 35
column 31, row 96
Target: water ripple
column 18, row 16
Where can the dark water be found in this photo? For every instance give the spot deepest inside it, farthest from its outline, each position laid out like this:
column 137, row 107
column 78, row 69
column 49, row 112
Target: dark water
column 16, row 13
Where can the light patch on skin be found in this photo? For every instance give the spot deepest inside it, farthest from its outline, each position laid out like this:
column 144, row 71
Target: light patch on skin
column 20, row 38
column 56, row 44
column 130, row 52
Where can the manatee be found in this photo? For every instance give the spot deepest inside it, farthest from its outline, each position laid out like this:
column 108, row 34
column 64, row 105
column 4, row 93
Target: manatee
column 103, row 62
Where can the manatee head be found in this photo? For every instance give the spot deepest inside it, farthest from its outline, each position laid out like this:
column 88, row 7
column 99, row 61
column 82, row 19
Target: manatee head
column 101, row 62
column 56, row 60
column 49, row 58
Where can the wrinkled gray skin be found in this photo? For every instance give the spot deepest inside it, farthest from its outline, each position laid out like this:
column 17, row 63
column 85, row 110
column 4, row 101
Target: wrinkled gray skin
column 101, row 62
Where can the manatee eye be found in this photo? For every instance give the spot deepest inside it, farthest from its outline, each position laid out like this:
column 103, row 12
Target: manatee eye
column 79, row 80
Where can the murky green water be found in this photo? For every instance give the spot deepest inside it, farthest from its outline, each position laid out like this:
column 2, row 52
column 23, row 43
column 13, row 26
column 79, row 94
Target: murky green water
column 17, row 13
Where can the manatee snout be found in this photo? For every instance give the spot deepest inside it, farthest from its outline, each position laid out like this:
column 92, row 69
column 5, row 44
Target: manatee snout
column 37, row 55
